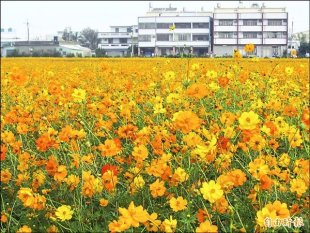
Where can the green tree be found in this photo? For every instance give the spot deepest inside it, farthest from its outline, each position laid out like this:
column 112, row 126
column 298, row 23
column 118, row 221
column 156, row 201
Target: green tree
column 89, row 37
column 303, row 49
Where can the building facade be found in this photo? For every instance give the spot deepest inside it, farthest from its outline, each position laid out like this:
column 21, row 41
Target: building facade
column 166, row 31
column 120, row 41
column 266, row 28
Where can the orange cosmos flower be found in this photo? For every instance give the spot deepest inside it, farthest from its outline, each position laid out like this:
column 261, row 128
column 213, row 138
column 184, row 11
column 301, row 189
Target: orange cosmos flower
column 61, row 173
column 109, row 148
column 45, row 142
column 221, row 205
column 26, row 196
column 305, row 117
column 186, row 121
column 18, row 78
column 223, row 81
column 158, row 188
column 24, row 229
column 3, row 152
column 290, row 111
column 265, row 182
column 51, row 165
column 103, row 202
column 128, row 131
column 5, row 176
column 238, row 177
column 110, row 167
column 109, row 180
column 197, row 91
column 140, row 153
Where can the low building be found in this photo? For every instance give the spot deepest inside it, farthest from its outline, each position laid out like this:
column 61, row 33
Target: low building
column 167, row 31
column 43, row 48
column 74, row 50
column 120, row 41
column 29, row 48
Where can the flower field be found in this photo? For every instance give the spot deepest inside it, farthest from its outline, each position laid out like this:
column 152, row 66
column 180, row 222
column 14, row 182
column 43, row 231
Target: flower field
column 154, row 145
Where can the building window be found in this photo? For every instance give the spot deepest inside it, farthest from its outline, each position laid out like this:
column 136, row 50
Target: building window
column 2, row 29
column 183, row 37
column 276, row 35
column 10, row 30
column 110, row 41
column 136, row 30
column 163, row 25
column 225, row 22
column 183, row 25
column 116, row 29
column 225, row 35
column 146, row 25
column 200, row 37
column 145, row 38
column 274, row 22
column 275, row 51
column 123, row 40
column 247, row 22
column 164, row 37
column 200, row 25
column 248, row 35
column 129, row 29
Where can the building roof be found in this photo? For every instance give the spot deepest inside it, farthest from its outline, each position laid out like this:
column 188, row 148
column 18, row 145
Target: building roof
column 75, row 47
column 34, row 43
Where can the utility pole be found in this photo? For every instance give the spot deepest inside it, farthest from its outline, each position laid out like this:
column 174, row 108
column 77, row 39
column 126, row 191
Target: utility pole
column 27, row 30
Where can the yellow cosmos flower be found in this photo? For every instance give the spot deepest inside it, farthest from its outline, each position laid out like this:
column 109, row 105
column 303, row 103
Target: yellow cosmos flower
column 263, row 214
column 212, row 74
column 248, row 120
column 78, row 95
column 211, row 191
column 298, row 186
column 206, row 226
column 64, row 212
column 139, row 181
column 134, row 215
column 178, row 204
column 24, row 229
column 169, row 225
column 289, row 70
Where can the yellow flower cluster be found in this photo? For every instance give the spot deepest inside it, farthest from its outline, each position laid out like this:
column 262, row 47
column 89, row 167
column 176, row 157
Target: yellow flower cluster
column 157, row 145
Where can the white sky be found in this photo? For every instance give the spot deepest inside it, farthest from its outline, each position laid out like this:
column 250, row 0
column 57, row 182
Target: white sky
column 48, row 17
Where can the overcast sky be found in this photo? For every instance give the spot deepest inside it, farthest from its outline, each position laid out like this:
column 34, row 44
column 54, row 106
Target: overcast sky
column 48, row 17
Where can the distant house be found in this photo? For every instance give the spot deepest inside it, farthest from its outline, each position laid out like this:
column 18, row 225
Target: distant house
column 119, row 40
column 76, row 50
column 29, row 48
column 42, row 48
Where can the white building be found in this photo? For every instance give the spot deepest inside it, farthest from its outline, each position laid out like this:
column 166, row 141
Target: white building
column 120, row 41
column 265, row 27
column 74, row 49
column 192, row 33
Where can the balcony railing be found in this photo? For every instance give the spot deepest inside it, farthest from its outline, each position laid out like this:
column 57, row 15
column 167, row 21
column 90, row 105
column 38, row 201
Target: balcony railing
column 115, row 34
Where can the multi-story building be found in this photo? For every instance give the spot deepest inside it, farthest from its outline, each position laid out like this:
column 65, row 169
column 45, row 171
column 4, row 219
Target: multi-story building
column 192, row 32
column 265, row 27
column 120, row 41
